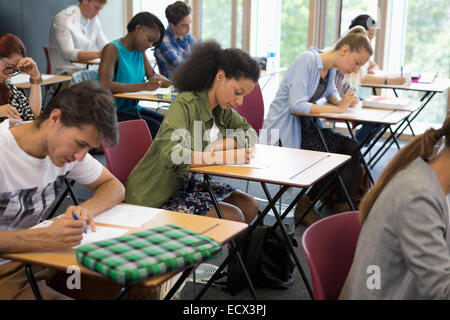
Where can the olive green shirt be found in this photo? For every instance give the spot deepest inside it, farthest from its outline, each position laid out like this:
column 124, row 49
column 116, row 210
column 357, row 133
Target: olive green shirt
column 185, row 129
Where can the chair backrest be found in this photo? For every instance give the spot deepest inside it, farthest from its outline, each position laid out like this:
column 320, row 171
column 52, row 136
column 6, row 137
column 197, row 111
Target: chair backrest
column 329, row 245
column 83, row 75
column 47, row 58
column 134, row 141
column 252, row 109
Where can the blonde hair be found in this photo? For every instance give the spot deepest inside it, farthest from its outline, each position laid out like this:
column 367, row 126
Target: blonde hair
column 421, row 146
column 356, row 38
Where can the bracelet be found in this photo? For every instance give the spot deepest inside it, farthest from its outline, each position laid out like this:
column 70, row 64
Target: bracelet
column 36, row 81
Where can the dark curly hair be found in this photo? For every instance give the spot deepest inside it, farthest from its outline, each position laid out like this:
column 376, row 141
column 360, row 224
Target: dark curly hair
column 198, row 72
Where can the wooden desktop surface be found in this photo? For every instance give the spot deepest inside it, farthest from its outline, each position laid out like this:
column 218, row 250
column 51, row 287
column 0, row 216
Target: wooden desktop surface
column 144, row 97
column 438, row 85
column 288, row 166
column 61, row 259
column 93, row 61
column 371, row 115
column 53, row 80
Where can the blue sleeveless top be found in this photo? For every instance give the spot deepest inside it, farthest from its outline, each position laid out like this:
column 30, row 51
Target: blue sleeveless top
column 130, row 70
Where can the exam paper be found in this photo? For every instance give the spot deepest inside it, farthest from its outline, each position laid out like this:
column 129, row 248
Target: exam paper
column 127, row 215
column 101, row 233
column 168, row 90
column 261, row 160
column 23, row 78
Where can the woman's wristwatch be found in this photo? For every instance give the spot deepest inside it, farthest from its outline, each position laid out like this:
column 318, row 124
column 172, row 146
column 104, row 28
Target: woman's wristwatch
column 385, row 80
column 36, row 81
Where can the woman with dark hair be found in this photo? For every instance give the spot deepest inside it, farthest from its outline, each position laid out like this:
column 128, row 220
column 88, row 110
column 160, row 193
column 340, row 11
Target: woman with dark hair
column 13, row 103
column 403, row 249
column 125, row 68
column 201, row 128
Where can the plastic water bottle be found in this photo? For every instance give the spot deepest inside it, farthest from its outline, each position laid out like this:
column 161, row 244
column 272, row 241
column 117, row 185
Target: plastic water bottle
column 271, row 59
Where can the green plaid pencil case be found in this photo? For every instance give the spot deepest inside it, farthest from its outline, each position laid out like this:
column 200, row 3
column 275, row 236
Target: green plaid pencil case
column 142, row 255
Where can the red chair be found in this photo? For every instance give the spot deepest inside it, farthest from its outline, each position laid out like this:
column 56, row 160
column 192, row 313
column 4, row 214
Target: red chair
column 330, row 245
column 134, row 141
column 252, row 109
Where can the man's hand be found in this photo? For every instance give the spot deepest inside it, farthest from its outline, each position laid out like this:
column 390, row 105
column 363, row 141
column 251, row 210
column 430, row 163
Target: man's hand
column 82, row 213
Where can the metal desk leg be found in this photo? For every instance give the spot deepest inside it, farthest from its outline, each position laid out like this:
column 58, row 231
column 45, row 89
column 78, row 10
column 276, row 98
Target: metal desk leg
column 232, row 242
column 32, row 281
column 288, row 241
column 341, row 183
column 179, row 282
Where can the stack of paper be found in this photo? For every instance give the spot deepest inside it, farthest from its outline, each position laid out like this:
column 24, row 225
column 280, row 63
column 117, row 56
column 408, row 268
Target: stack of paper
column 386, row 102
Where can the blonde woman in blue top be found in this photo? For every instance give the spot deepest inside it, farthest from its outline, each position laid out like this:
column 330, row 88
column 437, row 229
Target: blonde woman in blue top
column 309, row 79
column 125, row 68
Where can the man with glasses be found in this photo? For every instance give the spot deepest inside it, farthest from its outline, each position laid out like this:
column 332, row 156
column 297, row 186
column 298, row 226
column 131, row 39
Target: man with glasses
column 76, row 34
column 13, row 102
column 177, row 42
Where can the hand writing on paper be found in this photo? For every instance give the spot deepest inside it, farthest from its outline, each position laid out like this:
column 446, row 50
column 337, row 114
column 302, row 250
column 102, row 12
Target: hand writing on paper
column 64, row 233
column 81, row 213
column 348, row 101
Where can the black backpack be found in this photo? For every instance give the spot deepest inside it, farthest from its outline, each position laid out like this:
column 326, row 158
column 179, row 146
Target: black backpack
column 267, row 259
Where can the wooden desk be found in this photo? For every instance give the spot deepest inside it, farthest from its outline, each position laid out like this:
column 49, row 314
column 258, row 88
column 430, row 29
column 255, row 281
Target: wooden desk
column 439, row 85
column 288, row 168
column 88, row 62
column 62, row 259
column 144, row 97
column 429, row 89
column 386, row 117
column 56, row 79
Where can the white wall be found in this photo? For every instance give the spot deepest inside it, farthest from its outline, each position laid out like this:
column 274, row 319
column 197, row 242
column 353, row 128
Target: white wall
column 111, row 17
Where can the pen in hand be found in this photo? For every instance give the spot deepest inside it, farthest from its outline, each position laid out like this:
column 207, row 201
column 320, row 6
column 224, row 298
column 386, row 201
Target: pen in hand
column 76, row 218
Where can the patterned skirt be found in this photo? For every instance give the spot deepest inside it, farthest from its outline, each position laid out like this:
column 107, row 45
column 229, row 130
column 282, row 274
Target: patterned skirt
column 192, row 197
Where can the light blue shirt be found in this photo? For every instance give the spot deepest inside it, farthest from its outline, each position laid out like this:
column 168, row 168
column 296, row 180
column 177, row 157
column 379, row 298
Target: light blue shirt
column 293, row 95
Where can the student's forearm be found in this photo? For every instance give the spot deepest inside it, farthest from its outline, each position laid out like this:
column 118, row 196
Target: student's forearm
column 22, row 241
column 106, row 196
column 88, row 55
column 117, row 87
column 35, row 99
column 323, row 109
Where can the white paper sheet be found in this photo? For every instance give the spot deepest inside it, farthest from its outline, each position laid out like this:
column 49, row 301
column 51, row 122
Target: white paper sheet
column 101, row 233
column 23, row 78
column 127, row 215
column 168, row 90
column 261, row 160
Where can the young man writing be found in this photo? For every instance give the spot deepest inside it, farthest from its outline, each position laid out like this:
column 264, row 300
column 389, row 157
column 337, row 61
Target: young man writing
column 36, row 158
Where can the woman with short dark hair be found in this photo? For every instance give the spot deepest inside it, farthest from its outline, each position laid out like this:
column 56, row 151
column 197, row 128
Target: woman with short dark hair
column 125, row 68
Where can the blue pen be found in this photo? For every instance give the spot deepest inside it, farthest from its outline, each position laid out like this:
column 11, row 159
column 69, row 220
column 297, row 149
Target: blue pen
column 76, row 218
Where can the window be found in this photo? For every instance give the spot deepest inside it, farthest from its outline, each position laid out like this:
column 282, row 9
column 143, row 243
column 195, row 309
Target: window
column 216, row 21
column 294, row 30
column 426, row 41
